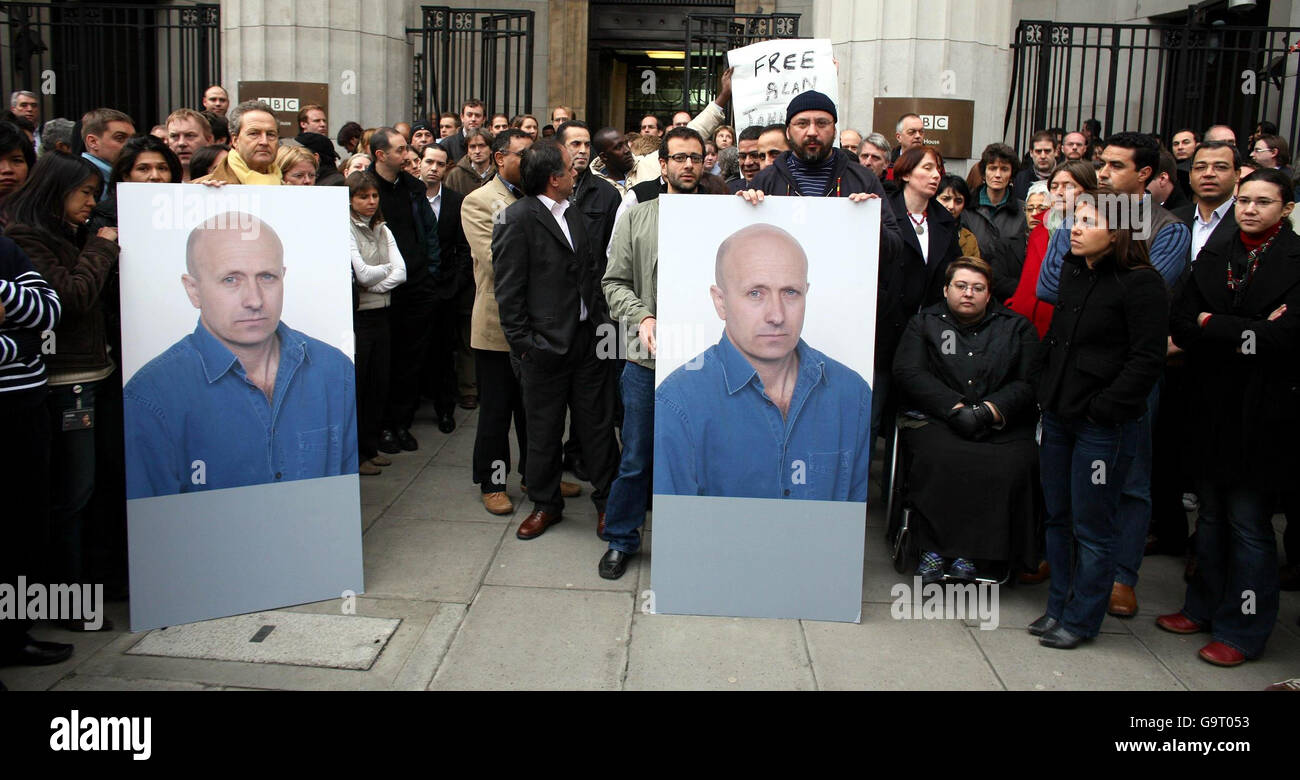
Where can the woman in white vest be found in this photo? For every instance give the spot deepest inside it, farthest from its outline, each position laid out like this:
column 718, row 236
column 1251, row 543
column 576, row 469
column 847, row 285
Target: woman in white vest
column 377, row 267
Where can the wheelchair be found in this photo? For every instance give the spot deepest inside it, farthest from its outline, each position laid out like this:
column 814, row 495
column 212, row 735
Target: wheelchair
column 900, row 517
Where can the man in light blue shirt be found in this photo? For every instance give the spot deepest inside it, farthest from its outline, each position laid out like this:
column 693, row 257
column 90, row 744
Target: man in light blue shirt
column 244, row 399
column 761, row 414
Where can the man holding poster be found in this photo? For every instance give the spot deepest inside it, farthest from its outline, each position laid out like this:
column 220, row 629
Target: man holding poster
column 761, row 414
column 814, row 168
column 244, row 399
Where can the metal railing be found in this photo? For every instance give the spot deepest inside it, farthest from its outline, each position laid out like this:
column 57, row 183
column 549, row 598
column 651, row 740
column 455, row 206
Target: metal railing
column 710, row 36
column 145, row 60
column 473, row 53
column 1151, row 78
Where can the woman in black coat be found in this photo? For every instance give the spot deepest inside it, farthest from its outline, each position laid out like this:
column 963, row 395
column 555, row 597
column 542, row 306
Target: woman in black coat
column 1104, row 352
column 929, row 231
column 1237, row 315
column 964, row 364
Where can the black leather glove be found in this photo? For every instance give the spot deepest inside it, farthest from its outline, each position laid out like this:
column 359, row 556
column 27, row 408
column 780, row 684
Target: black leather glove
column 971, row 422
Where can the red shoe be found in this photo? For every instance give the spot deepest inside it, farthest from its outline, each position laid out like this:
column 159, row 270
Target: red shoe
column 1220, row 654
column 1178, row 623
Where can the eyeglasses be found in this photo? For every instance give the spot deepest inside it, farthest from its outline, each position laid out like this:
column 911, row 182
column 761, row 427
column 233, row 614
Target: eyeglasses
column 1263, row 203
column 821, row 123
column 978, row 289
column 682, row 157
column 1036, row 209
column 1201, row 167
column 750, row 155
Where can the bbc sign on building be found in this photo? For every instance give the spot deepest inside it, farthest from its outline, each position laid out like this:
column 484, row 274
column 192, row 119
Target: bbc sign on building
column 948, row 123
column 286, row 99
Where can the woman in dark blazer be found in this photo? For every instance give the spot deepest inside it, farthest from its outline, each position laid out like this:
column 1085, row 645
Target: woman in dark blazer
column 929, row 231
column 1238, row 317
column 1103, row 353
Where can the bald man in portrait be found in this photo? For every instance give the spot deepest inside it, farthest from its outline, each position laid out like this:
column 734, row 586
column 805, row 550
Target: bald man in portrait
column 761, row 414
column 244, row 399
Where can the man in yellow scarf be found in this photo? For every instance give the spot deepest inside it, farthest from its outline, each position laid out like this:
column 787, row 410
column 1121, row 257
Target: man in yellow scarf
column 254, row 140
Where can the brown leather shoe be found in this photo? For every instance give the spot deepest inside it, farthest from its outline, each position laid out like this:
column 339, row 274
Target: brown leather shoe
column 570, row 489
column 498, row 503
column 468, row 402
column 600, row 526
column 1035, row 577
column 536, row 523
column 1123, row 601
column 368, row 469
column 1220, row 654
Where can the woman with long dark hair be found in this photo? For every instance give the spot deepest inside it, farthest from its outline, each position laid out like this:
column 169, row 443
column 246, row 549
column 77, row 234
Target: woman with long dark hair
column 1104, row 352
column 1235, row 319
column 47, row 219
column 143, row 159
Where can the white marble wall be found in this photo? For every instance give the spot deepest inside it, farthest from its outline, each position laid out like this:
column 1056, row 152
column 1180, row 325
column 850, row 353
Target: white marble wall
column 894, row 49
column 325, row 41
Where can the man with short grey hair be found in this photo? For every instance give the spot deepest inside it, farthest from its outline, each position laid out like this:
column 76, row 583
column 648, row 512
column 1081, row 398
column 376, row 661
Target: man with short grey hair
column 873, row 153
column 28, row 106
column 56, row 136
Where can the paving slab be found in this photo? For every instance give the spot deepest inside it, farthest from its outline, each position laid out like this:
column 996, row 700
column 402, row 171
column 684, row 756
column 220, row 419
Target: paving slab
column 293, row 638
column 535, row 638
column 566, row 556
column 1281, row 659
column 1115, row 662
column 115, row 660
column 678, row 652
column 430, row 648
column 434, row 560
column 882, row 653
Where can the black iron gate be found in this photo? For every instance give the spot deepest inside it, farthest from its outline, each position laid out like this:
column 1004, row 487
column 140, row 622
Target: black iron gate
column 142, row 59
column 1151, row 78
column 473, row 53
column 710, row 36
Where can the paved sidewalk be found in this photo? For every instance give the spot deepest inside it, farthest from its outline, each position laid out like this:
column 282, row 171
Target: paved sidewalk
column 480, row 609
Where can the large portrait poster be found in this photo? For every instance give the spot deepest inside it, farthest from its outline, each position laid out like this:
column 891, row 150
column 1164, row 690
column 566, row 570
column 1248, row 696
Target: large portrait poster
column 766, row 334
column 240, row 400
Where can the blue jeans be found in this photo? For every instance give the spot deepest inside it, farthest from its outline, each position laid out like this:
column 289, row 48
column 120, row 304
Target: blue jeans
column 1236, row 558
column 1084, row 467
column 625, row 509
column 1135, row 503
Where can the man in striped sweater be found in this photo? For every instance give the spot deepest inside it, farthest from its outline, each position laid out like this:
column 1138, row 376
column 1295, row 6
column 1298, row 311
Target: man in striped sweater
column 29, row 309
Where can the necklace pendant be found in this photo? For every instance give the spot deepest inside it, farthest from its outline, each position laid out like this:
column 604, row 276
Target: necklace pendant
column 920, row 229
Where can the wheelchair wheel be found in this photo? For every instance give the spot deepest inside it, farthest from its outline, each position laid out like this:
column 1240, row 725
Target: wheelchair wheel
column 905, row 553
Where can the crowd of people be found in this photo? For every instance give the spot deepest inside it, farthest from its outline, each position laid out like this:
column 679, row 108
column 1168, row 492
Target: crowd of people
column 1078, row 346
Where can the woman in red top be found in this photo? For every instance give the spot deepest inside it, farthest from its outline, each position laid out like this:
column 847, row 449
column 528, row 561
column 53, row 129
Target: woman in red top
column 1068, row 180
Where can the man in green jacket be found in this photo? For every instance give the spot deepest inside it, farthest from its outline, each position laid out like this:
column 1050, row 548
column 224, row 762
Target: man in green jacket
column 629, row 287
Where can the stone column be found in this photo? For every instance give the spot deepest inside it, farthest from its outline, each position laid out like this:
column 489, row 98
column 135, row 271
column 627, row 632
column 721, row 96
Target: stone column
column 359, row 49
column 928, row 48
column 566, row 69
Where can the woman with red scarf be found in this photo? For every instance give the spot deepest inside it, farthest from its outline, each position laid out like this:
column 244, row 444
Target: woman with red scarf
column 1068, row 180
column 1238, row 318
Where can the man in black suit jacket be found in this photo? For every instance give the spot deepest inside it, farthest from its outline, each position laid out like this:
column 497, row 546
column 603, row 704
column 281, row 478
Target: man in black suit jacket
column 449, row 370
column 547, row 291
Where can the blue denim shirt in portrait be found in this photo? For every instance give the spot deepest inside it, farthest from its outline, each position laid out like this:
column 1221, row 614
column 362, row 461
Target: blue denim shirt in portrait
column 194, row 421
column 718, row 434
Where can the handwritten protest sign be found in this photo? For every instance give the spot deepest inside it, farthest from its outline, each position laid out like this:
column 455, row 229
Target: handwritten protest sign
column 768, row 74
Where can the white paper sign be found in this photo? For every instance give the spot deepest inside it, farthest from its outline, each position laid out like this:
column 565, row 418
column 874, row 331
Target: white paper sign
column 769, row 74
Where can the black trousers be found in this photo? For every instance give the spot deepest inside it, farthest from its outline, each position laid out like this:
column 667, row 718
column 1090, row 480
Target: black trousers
column 25, row 490
column 449, row 369
column 499, row 399
column 581, row 381
column 374, row 353
column 413, row 320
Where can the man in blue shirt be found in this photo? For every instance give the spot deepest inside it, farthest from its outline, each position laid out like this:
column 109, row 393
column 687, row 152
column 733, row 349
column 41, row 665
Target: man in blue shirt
column 244, row 399
column 761, row 414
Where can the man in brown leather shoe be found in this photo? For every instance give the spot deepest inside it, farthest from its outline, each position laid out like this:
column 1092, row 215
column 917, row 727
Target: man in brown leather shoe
column 1123, row 601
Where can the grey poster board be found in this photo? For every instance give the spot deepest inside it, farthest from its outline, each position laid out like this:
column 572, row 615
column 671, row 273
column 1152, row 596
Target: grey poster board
column 200, row 547
column 741, row 555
